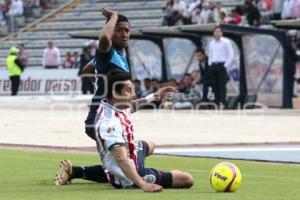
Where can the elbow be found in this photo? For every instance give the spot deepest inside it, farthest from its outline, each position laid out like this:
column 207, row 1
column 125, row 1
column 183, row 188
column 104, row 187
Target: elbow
column 104, row 37
column 104, row 41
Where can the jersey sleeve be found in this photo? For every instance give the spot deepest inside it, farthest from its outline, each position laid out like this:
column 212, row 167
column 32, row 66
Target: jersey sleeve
column 111, row 134
column 102, row 60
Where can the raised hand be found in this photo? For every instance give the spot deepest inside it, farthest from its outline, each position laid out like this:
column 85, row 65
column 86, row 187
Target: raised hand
column 107, row 12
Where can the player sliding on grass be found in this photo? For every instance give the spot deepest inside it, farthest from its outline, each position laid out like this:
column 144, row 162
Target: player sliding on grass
column 122, row 157
column 111, row 55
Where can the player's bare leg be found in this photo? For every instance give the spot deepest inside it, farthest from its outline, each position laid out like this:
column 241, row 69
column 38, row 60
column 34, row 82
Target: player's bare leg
column 151, row 146
column 181, row 179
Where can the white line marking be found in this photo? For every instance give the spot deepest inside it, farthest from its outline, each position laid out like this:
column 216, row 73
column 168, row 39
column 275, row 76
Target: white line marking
column 254, row 149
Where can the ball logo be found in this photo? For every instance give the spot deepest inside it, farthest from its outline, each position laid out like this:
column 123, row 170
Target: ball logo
column 225, row 177
column 220, row 176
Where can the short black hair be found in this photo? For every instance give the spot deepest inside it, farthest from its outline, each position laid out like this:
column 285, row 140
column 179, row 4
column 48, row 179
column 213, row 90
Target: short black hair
column 137, row 81
column 187, row 74
column 113, row 77
column 217, row 27
column 147, row 80
column 200, row 50
column 155, row 80
column 121, row 18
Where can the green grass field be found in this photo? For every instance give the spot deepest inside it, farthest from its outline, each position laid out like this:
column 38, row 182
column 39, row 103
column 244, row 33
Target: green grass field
column 29, row 175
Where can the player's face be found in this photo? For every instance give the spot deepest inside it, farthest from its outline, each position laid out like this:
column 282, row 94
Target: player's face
column 121, row 35
column 127, row 94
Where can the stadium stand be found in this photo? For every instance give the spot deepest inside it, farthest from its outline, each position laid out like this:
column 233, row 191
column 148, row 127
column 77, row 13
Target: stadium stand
column 73, row 17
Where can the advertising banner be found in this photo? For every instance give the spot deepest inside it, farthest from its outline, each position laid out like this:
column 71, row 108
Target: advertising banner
column 43, row 81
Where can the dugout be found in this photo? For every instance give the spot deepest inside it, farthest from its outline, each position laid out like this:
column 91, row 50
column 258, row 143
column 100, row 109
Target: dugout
column 262, row 59
column 287, row 24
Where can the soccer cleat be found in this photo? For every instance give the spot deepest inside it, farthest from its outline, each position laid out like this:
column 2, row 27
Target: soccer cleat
column 64, row 173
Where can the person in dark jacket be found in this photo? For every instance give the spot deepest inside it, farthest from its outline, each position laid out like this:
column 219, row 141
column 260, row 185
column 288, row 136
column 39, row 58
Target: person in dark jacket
column 87, row 80
column 252, row 13
column 204, row 71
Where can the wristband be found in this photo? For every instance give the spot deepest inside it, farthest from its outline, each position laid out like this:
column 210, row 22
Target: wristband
column 150, row 98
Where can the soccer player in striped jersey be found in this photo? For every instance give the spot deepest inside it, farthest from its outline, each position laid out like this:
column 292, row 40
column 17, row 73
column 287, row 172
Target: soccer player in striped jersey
column 113, row 40
column 122, row 157
column 110, row 54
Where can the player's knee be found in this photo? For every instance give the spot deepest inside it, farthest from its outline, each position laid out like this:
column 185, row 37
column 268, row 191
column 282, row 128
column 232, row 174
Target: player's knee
column 182, row 179
column 189, row 181
column 151, row 146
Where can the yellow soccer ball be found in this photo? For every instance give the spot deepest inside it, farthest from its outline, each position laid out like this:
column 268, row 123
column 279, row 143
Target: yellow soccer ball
column 225, row 177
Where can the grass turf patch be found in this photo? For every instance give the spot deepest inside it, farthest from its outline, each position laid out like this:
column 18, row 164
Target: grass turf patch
column 29, row 175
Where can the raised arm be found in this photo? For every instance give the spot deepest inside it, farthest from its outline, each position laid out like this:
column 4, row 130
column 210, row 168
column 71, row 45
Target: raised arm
column 108, row 29
column 157, row 96
column 120, row 155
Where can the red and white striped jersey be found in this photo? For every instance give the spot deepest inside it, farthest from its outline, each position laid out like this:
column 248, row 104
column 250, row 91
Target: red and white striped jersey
column 114, row 128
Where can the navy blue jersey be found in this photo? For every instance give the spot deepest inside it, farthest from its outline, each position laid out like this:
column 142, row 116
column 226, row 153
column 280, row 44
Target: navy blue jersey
column 103, row 63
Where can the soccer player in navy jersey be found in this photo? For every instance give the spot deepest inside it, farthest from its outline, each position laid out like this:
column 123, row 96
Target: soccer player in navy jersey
column 110, row 54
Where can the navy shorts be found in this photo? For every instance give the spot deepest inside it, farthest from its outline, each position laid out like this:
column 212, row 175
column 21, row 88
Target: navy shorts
column 90, row 120
column 151, row 175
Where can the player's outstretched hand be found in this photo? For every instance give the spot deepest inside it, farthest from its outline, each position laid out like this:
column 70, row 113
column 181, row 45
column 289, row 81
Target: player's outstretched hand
column 149, row 187
column 107, row 12
column 161, row 93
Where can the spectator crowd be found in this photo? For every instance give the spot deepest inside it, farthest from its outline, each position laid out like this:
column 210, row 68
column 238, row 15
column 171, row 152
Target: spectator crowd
column 11, row 9
column 193, row 86
column 188, row 96
column 251, row 12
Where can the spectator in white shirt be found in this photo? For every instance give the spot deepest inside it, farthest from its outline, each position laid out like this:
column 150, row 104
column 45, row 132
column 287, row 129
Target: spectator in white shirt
column 192, row 6
column 16, row 8
column 295, row 9
column 205, row 15
column 217, row 9
column 286, row 9
column 220, row 59
column 51, row 56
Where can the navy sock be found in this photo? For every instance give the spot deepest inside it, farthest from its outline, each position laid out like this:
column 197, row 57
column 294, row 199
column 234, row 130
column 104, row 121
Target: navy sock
column 77, row 172
column 92, row 173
